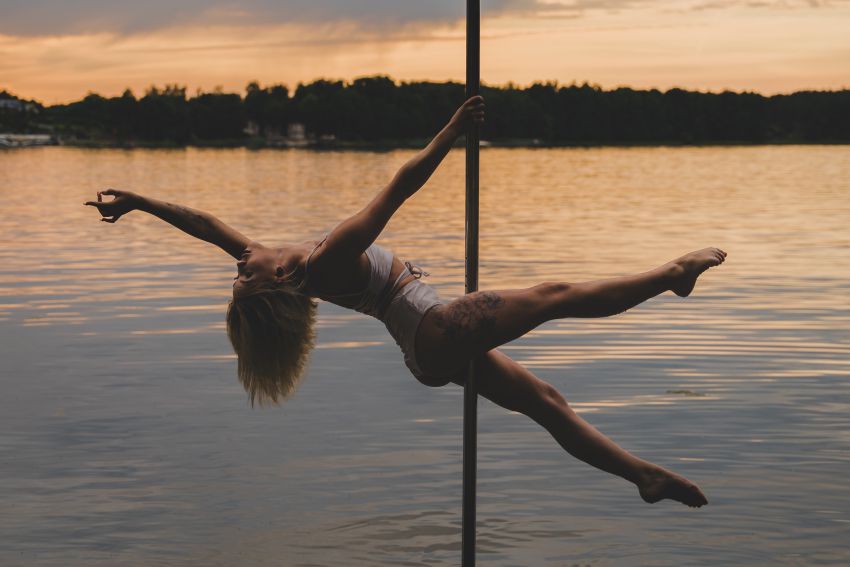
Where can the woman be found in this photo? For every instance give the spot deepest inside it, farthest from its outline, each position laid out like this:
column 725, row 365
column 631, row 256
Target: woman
column 270, row 319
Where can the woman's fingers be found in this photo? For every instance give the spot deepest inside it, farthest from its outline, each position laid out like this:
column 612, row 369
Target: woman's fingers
column 111, row 192
column 100, row 202
column 477, row 112
column 472, row 110
column 475, row 103
column 475, row 108
column 104, row 207
column 101, row 206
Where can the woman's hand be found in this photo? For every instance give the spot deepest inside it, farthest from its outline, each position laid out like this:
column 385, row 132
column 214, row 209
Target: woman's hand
column 111, row 211
column 470, row 112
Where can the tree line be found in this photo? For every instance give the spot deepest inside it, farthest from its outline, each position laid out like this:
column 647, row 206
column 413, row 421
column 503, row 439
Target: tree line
column 378, row 110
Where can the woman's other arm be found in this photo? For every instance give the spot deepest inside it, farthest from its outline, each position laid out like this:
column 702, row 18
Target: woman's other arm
column 354, row 235
column 199, row 224
column 415, row 173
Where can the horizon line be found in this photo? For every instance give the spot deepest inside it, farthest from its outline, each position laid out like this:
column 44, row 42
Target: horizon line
column 502, row 86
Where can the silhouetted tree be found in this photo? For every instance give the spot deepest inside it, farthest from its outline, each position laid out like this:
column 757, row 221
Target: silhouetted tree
column 122, row 115
column 163, row 115
column 379, row 110
column 217, row 116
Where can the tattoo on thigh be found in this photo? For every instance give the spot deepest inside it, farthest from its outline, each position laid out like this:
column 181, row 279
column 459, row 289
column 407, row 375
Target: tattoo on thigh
column 470, row 316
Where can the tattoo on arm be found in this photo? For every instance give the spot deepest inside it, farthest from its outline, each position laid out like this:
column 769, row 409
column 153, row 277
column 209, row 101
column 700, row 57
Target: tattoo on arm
column 198, row 221
column 471, row 316
column 199, row 224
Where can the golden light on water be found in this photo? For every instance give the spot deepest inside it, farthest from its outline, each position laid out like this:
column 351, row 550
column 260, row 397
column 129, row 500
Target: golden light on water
column 120, row 386
column 583, row 214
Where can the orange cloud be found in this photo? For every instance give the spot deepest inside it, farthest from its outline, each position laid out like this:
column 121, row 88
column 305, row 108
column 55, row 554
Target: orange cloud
column 741, row 48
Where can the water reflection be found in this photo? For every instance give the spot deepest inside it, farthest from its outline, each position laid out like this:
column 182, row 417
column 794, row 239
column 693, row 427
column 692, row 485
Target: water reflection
column 128, row 440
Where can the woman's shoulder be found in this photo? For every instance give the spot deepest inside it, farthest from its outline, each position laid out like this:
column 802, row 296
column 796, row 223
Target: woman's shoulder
column 304, row 258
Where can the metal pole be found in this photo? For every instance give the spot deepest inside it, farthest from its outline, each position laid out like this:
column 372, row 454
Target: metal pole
column 470, row 389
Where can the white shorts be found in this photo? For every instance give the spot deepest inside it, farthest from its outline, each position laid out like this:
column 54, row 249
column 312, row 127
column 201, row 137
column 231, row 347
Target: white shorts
column 403, row 316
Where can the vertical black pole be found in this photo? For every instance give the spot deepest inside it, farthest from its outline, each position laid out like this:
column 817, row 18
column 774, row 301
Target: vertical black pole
column 470, row 390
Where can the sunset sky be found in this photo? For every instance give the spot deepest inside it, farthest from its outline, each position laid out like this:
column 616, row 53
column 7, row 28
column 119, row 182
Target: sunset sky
column 58, row 50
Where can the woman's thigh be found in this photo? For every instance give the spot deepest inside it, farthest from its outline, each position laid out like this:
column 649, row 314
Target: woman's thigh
column 450, row 335
column 510, row 385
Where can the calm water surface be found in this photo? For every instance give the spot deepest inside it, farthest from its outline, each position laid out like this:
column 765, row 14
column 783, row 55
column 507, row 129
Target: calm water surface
column 126, row 439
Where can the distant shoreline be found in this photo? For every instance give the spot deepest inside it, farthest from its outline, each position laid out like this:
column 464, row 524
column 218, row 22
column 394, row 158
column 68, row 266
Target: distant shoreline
column 412, row 145
column 380, row 113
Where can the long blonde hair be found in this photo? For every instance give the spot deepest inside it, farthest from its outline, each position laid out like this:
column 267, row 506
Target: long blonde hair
column 271, row 330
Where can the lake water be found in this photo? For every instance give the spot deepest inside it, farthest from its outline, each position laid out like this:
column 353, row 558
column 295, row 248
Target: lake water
column 126, row 439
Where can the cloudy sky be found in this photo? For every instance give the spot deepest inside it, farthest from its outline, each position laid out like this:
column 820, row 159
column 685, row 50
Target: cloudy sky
column 58, row 50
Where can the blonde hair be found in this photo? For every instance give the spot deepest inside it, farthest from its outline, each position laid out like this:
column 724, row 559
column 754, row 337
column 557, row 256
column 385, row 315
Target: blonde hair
column 271, row 331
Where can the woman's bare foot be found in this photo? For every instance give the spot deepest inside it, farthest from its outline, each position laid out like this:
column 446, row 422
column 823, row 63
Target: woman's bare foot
column 688, row 268
column 660, row 484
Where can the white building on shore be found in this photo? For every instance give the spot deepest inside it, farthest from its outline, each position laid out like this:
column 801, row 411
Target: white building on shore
column 24, row 140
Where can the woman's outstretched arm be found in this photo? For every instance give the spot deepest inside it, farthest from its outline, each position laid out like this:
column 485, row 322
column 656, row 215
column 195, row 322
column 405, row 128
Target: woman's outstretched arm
column 354, row 235
column 199, row 224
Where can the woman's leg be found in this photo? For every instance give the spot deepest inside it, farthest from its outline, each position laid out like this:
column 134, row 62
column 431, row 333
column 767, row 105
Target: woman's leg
column 512, row 386
column 478, row 322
